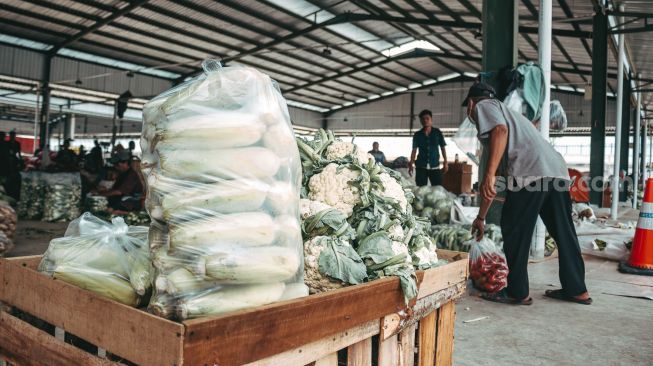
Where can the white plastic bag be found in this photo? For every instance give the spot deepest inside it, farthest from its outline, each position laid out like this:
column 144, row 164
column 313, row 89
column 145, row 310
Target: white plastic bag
column 557, row 117
column 223, row 175
column 467, row 141
column 111, row 259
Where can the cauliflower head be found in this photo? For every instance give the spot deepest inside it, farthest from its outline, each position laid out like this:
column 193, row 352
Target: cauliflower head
column 393, row 189
column 308, row 208
column 332, row 188
column 401, row 248
column 341, row 149
column 424, row 252
column 315, row 281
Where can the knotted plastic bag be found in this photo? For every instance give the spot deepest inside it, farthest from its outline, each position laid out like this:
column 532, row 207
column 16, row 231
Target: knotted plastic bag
column 487, row 266
column 111, row 259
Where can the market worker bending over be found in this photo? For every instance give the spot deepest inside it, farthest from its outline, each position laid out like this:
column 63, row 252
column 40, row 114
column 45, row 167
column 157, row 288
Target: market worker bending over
column 427, row 141
column 125, row 195
column 537, row 183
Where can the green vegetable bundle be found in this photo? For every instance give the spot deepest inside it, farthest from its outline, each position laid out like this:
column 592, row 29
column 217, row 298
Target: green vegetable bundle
column 223, row 173
column 433, row 203
column 457, row 237
column 358, row 223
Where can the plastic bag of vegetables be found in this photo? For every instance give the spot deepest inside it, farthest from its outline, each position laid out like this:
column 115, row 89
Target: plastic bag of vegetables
column 111, row 259
column 32, row 192
column 223, row 175
column 63, row 196
column 487, row 265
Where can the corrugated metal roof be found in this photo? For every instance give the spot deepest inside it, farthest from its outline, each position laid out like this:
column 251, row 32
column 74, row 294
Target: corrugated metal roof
column 168, row 33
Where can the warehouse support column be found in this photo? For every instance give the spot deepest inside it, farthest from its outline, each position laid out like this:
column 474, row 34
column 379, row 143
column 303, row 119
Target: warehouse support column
column 645, row 145
column 614, row 209
column 45, row 105
column 625, row 127
column 544, row 38
column 500, row 27
column 636, row 150
column 599, row 90
column 412, row 112
column 37, row 116
column 69, row 126
column 44, row 134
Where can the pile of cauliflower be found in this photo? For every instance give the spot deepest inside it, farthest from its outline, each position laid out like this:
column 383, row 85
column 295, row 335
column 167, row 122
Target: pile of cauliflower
column 354, row 209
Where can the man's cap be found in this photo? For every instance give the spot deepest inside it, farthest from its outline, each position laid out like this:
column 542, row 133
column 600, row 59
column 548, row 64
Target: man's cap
column 479, row 90
column 120, row 157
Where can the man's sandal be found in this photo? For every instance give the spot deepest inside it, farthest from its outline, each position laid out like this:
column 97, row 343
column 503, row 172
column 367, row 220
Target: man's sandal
column 561, row 295
column 502, row 298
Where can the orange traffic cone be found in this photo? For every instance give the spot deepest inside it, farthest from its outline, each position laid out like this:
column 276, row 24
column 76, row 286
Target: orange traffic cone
column 641, row 254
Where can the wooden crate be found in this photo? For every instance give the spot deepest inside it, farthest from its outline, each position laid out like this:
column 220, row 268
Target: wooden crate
column 309, row 330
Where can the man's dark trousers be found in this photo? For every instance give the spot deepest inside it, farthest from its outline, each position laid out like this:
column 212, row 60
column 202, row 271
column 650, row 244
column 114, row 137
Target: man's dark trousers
column 423, row 176
column 551, row 200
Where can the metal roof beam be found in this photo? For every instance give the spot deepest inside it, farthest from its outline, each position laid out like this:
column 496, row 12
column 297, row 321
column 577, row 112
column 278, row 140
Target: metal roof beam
column 99, row 24
column 356, row 17
column 235, row 35
column 237, row 6
column 417, row 53
column 570, row 14
column 562, row 49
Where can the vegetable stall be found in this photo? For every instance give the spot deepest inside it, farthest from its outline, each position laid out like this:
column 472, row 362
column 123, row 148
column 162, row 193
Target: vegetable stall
column 246, row 221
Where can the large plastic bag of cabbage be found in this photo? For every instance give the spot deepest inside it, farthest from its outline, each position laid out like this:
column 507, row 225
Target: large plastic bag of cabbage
column 111, row 259
column 223, row 175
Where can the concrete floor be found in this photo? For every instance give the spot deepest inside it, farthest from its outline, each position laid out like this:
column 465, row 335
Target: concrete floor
column 615, row 330
column 33, row 237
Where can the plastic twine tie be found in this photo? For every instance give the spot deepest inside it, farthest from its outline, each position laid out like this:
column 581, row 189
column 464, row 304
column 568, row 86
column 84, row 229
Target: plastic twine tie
column 211, row 65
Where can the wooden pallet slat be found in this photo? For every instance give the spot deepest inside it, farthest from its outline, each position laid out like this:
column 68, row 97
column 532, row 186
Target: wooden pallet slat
column 360, row 353
column 267, row 330
column 389, row 351
column 427, row 339
column 135, row 335
column 329, row 360
column 23, row 344
column 445, row 334
column 407, row 346
column 321, row 348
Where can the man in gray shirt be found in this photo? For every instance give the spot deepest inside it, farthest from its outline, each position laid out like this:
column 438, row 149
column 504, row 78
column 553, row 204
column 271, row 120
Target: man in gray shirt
column 537, row 184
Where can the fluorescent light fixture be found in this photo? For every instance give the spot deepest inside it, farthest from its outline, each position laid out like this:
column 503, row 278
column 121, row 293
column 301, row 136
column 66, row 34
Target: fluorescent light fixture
column 336, row 107
column 4, row 38
column 470, row 74
column 409, row 46
column 566, row 88
column 307, row 106
column 429, row 82
column 448, row 77
column 373, row 96
column 116, row 63
column 414, row 85
column 347, row 104
column 400, row 89
column 361, row 100
column 59, row 104
column 385, row 94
